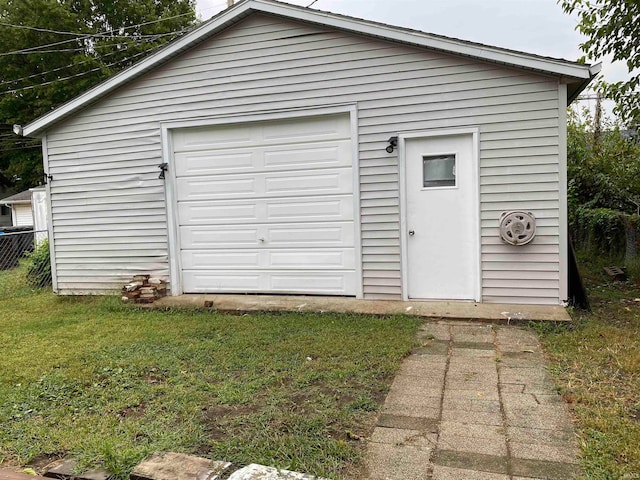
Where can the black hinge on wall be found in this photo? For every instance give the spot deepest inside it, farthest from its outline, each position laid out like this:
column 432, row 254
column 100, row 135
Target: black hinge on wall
column 47, row 177
column 163, row 168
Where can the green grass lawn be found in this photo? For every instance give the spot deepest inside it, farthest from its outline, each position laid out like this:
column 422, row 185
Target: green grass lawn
column 597, row 364
column 108, row 384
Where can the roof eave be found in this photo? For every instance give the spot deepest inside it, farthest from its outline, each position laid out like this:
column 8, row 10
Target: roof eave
column 576, row 88
column 560, row 68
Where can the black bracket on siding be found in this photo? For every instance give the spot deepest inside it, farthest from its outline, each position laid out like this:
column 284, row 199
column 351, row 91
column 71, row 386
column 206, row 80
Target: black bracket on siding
column 163, row 168
column 47, row 177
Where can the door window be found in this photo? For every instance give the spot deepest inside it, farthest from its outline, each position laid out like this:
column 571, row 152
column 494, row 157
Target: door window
column 439, row 171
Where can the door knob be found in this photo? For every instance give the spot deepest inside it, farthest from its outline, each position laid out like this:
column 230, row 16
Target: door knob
column 412, row 233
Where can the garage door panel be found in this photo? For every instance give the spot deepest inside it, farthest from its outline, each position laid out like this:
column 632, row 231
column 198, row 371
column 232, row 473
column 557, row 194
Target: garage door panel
column 333, row 283
column 221, row 281
column 311, row 208
column 267, row 211
column 263, row 159
column 319, row 155
column 307, row 282
column 214, row 162
column 218, row 213
column 276, row 236
column 266, row 185
column 320, row 259
column 303, row 130
column 221, row 136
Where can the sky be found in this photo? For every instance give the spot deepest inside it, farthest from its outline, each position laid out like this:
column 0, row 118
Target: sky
column 534, row 26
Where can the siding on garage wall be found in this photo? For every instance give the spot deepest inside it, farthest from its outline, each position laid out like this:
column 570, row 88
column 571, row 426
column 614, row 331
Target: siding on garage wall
column 108, row 203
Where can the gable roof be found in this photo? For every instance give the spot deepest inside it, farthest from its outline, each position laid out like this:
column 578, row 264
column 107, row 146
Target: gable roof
column 575, row 74
column 22, row 197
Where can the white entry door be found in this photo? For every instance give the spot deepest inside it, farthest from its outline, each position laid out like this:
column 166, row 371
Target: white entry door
column 441, row 217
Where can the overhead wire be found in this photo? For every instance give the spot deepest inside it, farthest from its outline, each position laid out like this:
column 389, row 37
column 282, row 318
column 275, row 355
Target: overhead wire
column 31, row 87
column 80, row 34
column 102, row 56
column 37, row 48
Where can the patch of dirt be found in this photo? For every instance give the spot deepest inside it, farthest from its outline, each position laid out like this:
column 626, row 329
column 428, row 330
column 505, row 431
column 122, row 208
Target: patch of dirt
column 45, row 461
column 133, row 411
column 214, row 415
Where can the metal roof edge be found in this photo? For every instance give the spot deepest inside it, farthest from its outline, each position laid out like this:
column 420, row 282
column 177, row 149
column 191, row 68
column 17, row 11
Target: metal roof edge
column 562, row 68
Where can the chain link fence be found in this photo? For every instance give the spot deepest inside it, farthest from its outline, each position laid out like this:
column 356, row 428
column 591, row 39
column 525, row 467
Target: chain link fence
column 25, row 264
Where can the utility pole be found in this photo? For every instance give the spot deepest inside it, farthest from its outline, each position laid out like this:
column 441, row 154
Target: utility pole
column 597, row 123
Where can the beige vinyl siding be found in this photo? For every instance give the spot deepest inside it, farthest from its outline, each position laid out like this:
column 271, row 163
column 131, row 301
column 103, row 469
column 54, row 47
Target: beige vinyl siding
column 109, row 206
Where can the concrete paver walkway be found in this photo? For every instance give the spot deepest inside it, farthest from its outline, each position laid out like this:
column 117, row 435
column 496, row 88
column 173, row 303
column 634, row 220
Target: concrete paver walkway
column 474, row 402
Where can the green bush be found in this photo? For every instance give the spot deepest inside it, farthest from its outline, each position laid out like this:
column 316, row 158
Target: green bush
column 39, row 266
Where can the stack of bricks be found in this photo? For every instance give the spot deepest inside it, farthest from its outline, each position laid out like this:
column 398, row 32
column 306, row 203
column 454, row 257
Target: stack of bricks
column 144, row 289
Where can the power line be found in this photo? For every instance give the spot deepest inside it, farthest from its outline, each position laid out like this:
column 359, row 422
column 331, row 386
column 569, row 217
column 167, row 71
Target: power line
column 31, row 87
column 90, row 36
column 79, row 49
column 312, row 3
column 102, row 56
column 60, row 32
column 105, row 55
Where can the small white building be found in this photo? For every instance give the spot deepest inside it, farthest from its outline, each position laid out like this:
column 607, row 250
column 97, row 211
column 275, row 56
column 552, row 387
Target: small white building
column 280, row 149
column 20, row 206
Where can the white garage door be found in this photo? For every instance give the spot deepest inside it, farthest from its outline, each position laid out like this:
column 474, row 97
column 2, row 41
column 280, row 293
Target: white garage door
column 267, row 207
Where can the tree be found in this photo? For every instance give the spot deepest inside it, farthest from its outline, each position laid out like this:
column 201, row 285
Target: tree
column 604, row 185
column 612, row 28
column 53, row 50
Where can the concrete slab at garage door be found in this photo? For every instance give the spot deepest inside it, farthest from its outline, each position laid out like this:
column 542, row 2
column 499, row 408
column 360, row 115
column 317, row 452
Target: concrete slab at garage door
column 267, row 207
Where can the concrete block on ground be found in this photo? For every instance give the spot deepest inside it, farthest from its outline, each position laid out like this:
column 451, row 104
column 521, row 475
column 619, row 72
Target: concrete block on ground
column 481, row 393
column 449, row 473
column 423, row 440
column 413, row 368
column 472, row 352
column 495, row 447
column 531, row 399
column 434, row 330
column 543, row 469
column 553, row 453
column 476, row 438
column 471, row 461
column 537, row 436
column 472, row 405
column 475, row 383
column 411, row 411
column 178, row 466
column 465, row 416
column 68, row 470
column 386, row 462
column 398, row 397
column 525, row 375
column 416, row 386
column 546, row 417
column 512, row 335
column 260, row 472
column 408, row 423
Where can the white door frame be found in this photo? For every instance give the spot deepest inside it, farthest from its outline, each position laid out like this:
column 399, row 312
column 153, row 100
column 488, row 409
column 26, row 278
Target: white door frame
column 475, row 165
column 171, row 200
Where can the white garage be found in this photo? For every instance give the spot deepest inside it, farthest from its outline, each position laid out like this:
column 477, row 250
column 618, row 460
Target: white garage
column 266, row 206
column 313, row 153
